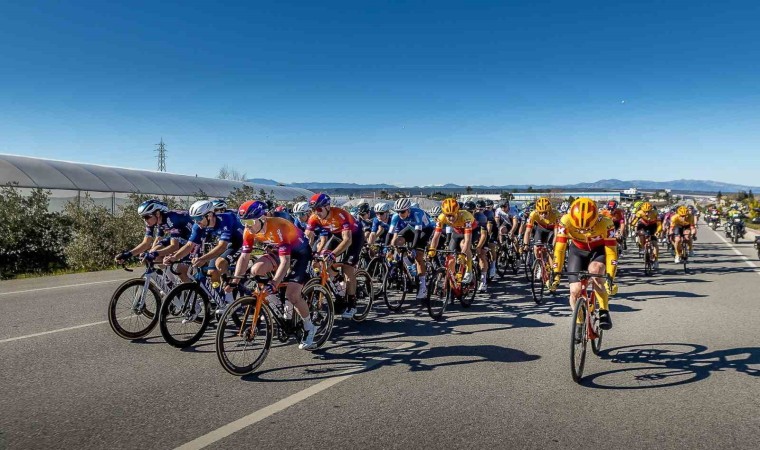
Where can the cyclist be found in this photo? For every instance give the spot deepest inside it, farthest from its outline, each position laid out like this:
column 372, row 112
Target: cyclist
column 542, row 223
column 381, row 223
column 461, row 223
column 289, row 263
column 507, row 220
column 165, row 232
column 618, row 219
column 226, row 227
column 679, row 223
column 301, row 213
column 479, row 241
column 593, row 248
column 648, row 224
column 492, row 232
column 220, row 206
column 413, row 226
column 364, row 216
column 346, row 241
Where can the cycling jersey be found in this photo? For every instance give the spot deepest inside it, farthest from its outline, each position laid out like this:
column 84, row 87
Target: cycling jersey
column 602, row 234
column 506, row 215
column 646, row 218
column 279, row 232
column 481, row 222
column 617, row 215
column 681, row 221
column 378, row 225
column 490, row 216
column 228, row 228
column 177, row 224
column 337, row 221
column 461, row 224
column 548, row 222
column 416, row 220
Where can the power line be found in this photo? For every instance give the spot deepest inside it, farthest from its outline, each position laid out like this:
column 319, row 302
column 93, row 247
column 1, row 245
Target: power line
column 161, row 156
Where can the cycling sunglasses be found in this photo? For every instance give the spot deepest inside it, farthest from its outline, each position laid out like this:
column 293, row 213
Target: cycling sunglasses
column 196, row 218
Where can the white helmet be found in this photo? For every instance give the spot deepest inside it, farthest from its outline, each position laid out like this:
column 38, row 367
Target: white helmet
column 201, row 208
column 435, row 211
column 301, row 208
column 382, row 207
column 151, row 206
column 402, row 204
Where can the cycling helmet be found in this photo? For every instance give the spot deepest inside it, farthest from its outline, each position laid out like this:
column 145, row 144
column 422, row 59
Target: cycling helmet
column 583, row 213
column 489, row 203
column 363, row 208
column 450, row 207
column 461, row 205
column 612, row 205
column 435, row 211
column 151, row 206
column 415, row 205
column 319, row 200
column 683, row 210
column 646, row 207
column 469, row 205
column 219, row 205
column 480, row 204
column 252, row 209
column 543, row 205
column 402, row 204
column 382, row 208
column 201, row 208
column 301, row 208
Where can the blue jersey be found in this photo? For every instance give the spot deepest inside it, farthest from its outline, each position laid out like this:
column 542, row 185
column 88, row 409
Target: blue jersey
column 480, row 220
column 228, row 228
column 417, row 220
column 284, row 215
column 378, row 224
column 489, row 215
column 175, row 224
column 319, row 231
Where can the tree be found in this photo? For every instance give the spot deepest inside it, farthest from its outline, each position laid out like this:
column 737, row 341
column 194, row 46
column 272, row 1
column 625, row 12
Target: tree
column 300, row 198
column 468, row 189
column 530, row 189
column 506, row 196
column 741, row 195
column 719, row 196
column 227, row 173
column 384, row 194
column 750, row 195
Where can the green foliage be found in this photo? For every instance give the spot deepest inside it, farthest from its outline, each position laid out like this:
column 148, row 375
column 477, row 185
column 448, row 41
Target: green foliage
column 31, row 238
column 240, row 195
column 506, row 196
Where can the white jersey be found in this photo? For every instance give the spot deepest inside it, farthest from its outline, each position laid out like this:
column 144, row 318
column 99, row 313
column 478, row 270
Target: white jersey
column 506, row 215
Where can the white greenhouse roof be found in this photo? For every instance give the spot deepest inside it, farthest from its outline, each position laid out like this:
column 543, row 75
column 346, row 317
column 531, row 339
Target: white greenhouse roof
column 52, row 174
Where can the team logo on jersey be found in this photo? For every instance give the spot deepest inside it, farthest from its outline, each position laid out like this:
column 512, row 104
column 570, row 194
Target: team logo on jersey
column 169, row 222
column 279, row 234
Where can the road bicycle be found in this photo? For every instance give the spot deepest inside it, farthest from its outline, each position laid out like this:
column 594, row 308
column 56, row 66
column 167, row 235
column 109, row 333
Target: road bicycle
column 245, row 330
column 337, row 286
column 507, row 256
column 585, row 324
column 401, row 276
column 134, row 305
column 649, row 258
column 541, row 273
column 446, row 284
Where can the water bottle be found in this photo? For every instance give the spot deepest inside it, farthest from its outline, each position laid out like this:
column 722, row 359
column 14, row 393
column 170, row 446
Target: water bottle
column 411, row 267
column 340, row 288
column 288, row 310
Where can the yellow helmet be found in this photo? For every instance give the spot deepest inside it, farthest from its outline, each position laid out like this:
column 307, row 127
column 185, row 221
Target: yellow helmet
column 646, row 207
column 583, row 213
column 450, row 206
column 683, row 210
column 543, row 205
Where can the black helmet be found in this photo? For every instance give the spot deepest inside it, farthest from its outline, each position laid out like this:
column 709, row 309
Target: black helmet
column 469, row 205
column 363, row 208
column 480, row 204
column 489, row 203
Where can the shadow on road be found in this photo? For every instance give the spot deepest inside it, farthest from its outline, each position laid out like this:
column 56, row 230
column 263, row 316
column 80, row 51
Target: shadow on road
column 650, row 366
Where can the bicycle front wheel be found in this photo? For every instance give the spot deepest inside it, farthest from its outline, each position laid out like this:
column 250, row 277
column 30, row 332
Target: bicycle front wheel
column 185, row 315
column 578, row 339
column 242, row 348
column 378, row 270
column 365, row 295
column 133, row 309
column 537, row 283
column 321, row 311
column 438, row 294
column 396, row 286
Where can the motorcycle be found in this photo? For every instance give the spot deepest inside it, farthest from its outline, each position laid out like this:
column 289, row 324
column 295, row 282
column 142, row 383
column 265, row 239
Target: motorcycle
column 713, row 221
column 737, row 229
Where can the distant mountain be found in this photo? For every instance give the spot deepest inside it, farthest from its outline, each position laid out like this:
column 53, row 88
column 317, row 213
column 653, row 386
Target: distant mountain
column 676, row 185
column 324, row 186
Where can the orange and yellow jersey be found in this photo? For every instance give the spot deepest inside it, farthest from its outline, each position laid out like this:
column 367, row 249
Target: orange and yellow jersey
column 602, row 234
column 617, row 216
column 682, row 221
column 648, row 219
column 337, row 221
column 462, row 224
column 278, row 232
column 549, row 222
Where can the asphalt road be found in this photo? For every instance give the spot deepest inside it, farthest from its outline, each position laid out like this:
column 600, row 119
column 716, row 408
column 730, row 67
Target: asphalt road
column 680, row 370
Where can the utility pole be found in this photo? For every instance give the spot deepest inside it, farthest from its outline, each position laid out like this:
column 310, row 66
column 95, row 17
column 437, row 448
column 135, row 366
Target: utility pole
column 161, row 156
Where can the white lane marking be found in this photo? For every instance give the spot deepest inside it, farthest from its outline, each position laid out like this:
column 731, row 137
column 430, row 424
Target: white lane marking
column 736, row 250
column 263, row 413
column 18, row 338
column 61, row 287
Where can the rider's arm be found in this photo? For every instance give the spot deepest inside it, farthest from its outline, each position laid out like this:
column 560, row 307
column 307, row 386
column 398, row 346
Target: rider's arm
column 220, row 247
column 560, row 246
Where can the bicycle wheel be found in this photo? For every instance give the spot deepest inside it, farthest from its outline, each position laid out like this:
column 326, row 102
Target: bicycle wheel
column 241, row 349
column 648, row 261
column 396, row 286
column 133, row 310
column 578, row 346
column 185, row 315
column 438, row 294
column 378, row 270
column 502, row 261
column 530, row 258
column 537, row 282
column 365, row 296
column 321, row 311
column 469, row 290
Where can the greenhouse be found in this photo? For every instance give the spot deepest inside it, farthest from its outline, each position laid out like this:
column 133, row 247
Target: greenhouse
column 111, row 186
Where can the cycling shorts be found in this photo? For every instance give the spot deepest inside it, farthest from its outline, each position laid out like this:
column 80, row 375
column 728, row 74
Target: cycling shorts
column 578, row 260
column 649, row 230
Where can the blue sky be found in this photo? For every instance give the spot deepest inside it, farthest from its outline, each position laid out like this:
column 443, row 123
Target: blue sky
column 408, row 92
